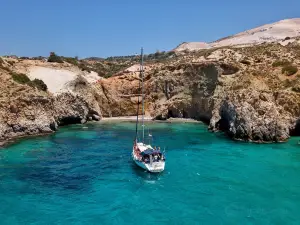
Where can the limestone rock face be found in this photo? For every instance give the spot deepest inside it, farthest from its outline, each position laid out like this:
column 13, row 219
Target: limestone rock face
column 70, row 109
column 235, row 90
column 251, row 116
column 26, row 111
column 241, row 91
column 118, row 96
column 188, row 91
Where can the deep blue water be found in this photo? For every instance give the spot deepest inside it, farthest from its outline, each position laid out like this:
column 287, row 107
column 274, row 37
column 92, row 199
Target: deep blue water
column 86, row 176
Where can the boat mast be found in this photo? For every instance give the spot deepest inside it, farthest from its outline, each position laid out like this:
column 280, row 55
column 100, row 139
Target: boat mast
column 142, row 73
column 138, row 106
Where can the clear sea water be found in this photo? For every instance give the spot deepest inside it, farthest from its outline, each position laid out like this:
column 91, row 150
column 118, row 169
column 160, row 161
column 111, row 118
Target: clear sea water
column 84, row 174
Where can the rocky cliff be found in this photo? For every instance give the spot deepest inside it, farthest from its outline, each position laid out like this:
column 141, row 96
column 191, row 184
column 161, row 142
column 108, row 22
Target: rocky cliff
column 244, row 92
column 25, row 110
column 250, row 93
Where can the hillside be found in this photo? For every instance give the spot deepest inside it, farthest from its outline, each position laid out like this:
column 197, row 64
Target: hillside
column 30, row 107
column 284, row 31
column 251, row 93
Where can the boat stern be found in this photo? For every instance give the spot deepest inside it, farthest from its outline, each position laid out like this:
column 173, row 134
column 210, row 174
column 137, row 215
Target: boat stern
column 156, row 167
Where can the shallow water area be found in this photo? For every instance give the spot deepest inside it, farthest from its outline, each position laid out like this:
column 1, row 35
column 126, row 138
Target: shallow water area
column 84, row 174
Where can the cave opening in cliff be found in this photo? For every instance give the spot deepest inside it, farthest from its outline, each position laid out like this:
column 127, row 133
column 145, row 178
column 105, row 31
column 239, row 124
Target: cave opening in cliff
column 70, row 120
column 170, row 114
column 296, row 130
column 223, row 124
column 185, row 114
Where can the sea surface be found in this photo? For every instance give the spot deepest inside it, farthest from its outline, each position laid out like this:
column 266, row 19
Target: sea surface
column 84, row 174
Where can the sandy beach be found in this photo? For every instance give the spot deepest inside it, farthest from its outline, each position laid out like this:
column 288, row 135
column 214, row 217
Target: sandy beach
column 126, row 118
column 147, row 118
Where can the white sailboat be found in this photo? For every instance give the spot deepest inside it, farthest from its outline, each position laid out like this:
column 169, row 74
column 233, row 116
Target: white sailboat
column 144, row 155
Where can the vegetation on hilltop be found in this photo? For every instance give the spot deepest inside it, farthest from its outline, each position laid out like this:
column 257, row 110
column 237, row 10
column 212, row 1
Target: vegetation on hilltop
column 55, row 58
column 156, row 57
column 22, row 78
column 116, row 64
column 70, row 60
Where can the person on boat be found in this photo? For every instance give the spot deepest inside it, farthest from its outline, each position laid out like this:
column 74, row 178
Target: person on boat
column 158, row 149
column 145, row 159
column 158, row 157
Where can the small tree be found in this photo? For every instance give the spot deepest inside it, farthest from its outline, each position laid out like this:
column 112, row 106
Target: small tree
column 39, row 84
column 278, row 63
column 71, row 60
column 289, row 70
column 54, row 58
column 20, row 78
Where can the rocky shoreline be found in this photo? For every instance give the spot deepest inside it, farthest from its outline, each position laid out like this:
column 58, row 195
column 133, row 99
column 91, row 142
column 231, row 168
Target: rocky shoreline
column 240, row 91
column 104, row 119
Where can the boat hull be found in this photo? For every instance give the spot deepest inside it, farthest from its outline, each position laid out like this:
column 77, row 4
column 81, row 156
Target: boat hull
column 154, row 167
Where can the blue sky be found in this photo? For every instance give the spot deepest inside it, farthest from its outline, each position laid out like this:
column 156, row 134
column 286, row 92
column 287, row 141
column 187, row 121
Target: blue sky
column 120, row 27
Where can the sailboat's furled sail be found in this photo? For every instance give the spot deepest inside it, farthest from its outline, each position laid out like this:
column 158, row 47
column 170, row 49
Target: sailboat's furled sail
column 141, row 80
column 137, row 113
column 143, row 107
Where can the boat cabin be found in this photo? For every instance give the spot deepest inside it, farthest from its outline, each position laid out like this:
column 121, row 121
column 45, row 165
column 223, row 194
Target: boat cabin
column 151, row 155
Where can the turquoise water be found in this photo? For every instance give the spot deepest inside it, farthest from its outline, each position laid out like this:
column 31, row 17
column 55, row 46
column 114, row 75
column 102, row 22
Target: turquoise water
column 84, row 174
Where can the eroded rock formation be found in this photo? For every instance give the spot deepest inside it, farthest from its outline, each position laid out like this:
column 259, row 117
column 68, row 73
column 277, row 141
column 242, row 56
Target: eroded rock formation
column 241, row 91
column 24, row 110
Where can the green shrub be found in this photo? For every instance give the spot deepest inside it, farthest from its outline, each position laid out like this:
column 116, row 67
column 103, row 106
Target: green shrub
column 39, row 84
column 278, row 63
column 84, row 67
column 23, row 79
column 296, row 89
column 71, row 60
column 24, row 57
column 20, row 78
column 289, row 70
column 54, row 58
column 229, row 69
column 38, row 58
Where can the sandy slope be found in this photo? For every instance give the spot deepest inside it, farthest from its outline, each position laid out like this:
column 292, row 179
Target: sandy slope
column 57, row 79
column 266, row 33
column 126, row 118
column 192, row 45
column 275, row 32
